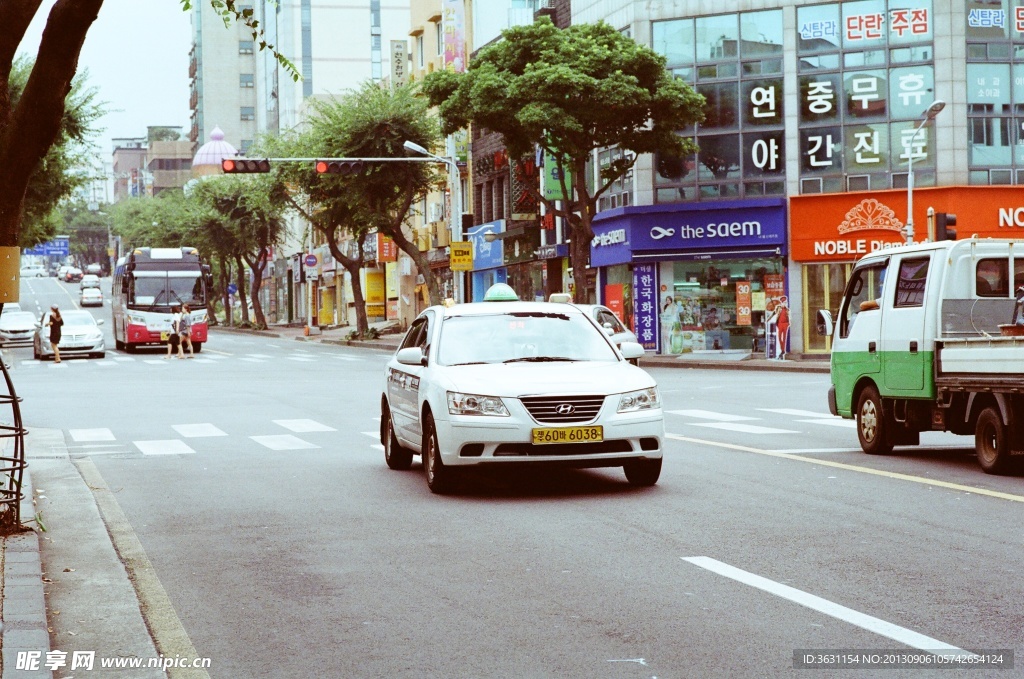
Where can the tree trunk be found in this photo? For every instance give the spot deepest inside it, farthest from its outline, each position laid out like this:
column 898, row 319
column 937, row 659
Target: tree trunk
column 240, row 277
column 257, row 268
column 28, row 131
column 582, row 232
column 353, row 266
column 423, row 265
column 225, row 280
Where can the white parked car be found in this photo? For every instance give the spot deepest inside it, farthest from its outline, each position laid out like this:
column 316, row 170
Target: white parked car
column 79, row 335
column 16, row 326
column 509, row 382
column 607, row 319
column 34, row 272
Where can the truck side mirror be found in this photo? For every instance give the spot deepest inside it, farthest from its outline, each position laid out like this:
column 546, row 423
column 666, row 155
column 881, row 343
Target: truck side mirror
column 823, row 323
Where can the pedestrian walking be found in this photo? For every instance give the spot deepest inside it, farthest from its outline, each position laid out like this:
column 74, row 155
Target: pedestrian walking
column 185, row 331
column 173, row 341
column 55, row 323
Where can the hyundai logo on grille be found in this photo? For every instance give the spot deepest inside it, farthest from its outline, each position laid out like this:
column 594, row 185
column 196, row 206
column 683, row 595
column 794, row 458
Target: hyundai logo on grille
column 565, row 409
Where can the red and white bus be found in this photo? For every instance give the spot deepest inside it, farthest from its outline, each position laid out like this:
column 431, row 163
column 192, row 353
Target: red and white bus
column 147, row 283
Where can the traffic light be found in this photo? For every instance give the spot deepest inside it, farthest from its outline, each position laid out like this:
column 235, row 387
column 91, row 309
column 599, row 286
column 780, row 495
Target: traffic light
column 943, row 222
column 244, row 165
column 342, row 167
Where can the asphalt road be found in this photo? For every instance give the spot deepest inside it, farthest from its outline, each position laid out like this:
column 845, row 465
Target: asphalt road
column 253, row 479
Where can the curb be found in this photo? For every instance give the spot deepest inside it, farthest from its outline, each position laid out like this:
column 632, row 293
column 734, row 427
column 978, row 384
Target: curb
column 803, row 366
column 25, row 626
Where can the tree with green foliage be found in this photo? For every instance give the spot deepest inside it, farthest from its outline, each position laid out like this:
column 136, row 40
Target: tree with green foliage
column 253, row 216
column 88, row 230
column 32, row 114
column 368, row 122
column 571, row 92
column 59, row 174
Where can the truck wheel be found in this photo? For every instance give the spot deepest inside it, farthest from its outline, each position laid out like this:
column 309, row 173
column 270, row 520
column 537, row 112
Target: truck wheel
column 871, row 424
column 991, row 442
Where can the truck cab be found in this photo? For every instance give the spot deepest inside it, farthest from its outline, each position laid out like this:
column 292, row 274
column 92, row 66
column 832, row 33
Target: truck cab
column 918, row 344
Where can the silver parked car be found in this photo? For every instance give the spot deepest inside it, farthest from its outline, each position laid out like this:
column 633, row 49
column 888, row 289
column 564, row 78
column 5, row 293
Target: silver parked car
column 80, row 335
column 16, row 327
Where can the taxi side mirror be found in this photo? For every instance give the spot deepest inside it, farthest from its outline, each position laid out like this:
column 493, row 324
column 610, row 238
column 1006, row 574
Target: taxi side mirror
column 631, row 350
column 411, row 356
column 823, row 323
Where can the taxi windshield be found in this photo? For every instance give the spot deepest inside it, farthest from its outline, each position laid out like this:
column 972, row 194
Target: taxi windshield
column 521, row 338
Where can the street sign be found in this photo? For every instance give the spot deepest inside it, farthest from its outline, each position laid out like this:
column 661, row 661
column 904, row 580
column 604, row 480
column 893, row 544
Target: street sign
column 311, row 260
column 56, row 248
column 232, row 289
column 461, row 258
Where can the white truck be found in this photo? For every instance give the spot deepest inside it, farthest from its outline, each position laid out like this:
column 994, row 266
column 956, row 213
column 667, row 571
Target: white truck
column 926, row 339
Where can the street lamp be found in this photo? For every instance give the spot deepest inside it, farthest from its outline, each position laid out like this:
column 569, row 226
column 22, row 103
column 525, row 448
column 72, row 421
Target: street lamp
column 928, row 114
column 456, row 212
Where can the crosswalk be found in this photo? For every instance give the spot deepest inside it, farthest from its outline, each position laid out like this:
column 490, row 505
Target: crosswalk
column 752, row 424
column 103, row 441
column 113, row 360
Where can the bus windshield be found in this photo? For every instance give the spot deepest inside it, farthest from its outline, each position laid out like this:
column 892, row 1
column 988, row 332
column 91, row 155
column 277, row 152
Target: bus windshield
column 165, row 289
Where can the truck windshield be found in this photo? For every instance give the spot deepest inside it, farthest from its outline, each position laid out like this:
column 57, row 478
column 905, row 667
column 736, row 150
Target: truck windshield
column 865, row 285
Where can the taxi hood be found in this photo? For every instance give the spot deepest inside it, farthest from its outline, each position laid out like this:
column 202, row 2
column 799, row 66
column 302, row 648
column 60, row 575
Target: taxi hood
column 561, row 377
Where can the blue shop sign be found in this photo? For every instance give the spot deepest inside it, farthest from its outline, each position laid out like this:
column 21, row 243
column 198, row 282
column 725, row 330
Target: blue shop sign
column 486, row 255
column 702, row 230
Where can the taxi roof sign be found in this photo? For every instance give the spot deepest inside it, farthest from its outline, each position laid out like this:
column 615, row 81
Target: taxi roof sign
column 500, row 292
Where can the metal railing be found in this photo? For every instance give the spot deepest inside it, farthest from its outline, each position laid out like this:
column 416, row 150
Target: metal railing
column 12, row 460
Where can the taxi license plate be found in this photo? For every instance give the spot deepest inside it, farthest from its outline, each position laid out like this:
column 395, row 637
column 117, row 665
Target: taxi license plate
column 568, row 435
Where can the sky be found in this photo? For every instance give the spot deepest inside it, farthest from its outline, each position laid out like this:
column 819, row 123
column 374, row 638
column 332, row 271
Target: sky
column 137, row 56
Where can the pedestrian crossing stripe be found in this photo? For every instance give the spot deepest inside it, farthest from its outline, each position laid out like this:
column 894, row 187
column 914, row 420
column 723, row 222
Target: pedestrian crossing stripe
column 742, row 428
column 303, row 426
column 198, row 430
column 82, row 435
column 710, row 415
column 165, row 447
column 283, row 442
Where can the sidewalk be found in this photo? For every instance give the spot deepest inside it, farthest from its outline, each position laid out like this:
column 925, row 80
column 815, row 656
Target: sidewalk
column 707, row 360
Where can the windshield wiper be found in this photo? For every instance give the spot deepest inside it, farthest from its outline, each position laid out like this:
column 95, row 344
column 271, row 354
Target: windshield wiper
column 156, row 299
column 539, row 359
column 450, row 365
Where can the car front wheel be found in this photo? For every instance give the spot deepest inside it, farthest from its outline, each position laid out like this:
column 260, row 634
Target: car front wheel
column 395, row 455
column 642, row 472
column 440, row 478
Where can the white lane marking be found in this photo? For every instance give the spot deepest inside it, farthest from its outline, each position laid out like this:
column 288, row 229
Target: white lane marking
column 307, row 359
column 259, row 355
column 796, row 413
column 346, row 358
column 156, row 361
column 124, row 359
column 371, row 434
column 214, row 354
column 303, row 426
column 197, row 430
column 59, row 366
column 742, row 428
column 94, row 445
column 105, row 364
column 378, row 446
column 204, row 360
column 80, row 435
column 862, row 620
column 837, row 422
column 252, row 360
column 710, row 415
column 283, row 442
column 165, row 447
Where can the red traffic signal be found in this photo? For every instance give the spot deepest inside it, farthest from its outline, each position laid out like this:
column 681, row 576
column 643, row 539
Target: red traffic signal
column 342, row 167
column 244, row 165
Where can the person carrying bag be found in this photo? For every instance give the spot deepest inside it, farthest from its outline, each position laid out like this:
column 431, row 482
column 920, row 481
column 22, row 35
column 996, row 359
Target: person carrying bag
column 173, row 341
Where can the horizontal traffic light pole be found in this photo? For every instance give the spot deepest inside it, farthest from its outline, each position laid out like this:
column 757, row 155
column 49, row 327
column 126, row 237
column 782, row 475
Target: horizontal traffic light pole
column 242, row 165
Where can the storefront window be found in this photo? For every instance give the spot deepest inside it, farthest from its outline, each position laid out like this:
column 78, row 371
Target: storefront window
column 866, row 89
column 719, row 305
column 734, row 53
column 823, row 289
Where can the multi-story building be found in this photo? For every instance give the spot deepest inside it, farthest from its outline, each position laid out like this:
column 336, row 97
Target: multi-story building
column 129, row 167
column 222, row 68
column 819, row 118
column 168, row 159
column 336, row 46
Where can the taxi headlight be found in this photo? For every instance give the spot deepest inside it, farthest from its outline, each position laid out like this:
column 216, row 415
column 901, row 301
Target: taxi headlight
column 474, row 404
column 644, row 399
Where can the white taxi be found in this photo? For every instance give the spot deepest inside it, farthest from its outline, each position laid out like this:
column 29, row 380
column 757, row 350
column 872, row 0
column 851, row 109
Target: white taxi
column 510, row 382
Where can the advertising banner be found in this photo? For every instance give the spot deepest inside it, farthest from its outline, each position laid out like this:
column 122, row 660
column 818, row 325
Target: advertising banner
column 743, row 303
column 645, row 305
column 399, row 62
column 454, row 27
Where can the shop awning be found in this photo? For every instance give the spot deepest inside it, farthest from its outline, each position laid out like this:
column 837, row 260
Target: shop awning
column 701, row 255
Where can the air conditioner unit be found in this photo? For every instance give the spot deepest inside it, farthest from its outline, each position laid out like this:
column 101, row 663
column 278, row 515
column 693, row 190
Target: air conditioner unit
column 435, row 212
